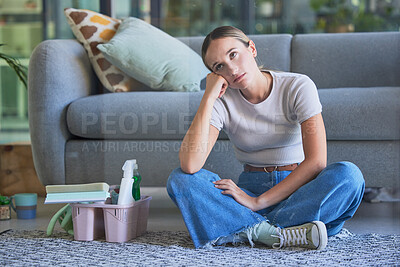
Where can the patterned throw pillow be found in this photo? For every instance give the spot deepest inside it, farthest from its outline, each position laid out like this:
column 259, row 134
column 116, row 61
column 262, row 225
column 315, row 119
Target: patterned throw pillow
column 91, row 28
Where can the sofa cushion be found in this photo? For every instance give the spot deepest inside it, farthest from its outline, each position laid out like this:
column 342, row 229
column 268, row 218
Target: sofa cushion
column 361, row 113
column 91, row 28
column 349, row 114
column 134, row 115
column 348, row 60
column 273, row 50
column 154, row 58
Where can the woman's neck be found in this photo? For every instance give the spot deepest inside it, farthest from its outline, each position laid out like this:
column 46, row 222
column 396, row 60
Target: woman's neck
column 260, row 89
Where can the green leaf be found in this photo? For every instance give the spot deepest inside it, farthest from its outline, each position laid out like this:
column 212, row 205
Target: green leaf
column 19, row 69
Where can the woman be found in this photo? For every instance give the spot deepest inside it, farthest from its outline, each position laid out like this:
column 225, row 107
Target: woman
column 286, row 195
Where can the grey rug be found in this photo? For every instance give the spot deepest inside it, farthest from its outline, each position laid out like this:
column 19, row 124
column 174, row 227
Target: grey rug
column 27, row 248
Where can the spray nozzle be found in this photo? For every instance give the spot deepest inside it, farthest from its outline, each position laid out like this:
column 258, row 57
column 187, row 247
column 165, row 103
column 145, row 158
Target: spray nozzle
column 128, row 167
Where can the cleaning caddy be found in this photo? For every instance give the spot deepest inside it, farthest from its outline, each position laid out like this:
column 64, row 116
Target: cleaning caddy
column 93, row 212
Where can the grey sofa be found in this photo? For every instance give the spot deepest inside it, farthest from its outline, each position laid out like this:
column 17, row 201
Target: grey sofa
column 81, row 136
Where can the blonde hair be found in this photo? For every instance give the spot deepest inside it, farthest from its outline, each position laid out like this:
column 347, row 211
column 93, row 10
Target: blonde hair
column 223, row 32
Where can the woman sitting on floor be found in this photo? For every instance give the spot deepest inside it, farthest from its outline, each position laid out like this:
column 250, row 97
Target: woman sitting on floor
column 286, row 195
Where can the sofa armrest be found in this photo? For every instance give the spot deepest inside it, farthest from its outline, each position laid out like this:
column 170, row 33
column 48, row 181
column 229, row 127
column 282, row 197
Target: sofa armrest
column 59, row 73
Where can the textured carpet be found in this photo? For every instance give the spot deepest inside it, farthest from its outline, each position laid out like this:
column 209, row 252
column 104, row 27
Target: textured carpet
column 27, row 248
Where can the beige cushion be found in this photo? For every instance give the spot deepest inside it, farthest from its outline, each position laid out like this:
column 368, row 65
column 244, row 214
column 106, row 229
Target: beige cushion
column 91, row 28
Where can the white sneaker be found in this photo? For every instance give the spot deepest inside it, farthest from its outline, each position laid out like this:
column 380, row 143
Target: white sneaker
column 311, row 235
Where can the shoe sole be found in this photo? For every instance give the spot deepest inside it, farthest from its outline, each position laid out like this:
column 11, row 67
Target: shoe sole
column 322, row 233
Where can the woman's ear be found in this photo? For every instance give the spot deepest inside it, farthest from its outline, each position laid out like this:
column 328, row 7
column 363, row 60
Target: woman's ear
column 252, row 48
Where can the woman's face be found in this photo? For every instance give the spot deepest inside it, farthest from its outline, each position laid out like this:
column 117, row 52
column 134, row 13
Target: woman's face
column 231, row 59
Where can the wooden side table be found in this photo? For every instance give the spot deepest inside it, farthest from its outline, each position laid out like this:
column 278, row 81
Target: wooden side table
column 17, row 172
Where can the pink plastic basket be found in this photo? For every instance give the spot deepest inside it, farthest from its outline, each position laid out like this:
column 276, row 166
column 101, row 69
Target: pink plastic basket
column 118, row 223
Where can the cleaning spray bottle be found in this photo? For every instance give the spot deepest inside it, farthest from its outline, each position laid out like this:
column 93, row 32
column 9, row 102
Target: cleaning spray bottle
column 136, row 184
column 126, row 189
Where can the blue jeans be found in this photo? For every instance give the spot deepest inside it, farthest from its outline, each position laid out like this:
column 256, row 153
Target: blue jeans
column 332, row 197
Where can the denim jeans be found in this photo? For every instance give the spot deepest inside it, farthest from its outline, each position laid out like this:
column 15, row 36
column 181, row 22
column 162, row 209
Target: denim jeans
column 332, row 197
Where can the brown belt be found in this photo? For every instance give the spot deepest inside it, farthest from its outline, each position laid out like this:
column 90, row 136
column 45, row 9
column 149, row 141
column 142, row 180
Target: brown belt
column 249, row 168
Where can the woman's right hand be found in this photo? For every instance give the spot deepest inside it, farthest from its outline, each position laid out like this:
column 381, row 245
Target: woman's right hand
column 216, row 85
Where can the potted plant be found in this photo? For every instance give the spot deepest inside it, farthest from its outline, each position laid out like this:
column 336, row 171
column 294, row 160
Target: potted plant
column 14, row 63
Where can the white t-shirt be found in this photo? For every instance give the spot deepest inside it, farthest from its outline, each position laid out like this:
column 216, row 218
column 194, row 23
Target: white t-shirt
column 268, row 133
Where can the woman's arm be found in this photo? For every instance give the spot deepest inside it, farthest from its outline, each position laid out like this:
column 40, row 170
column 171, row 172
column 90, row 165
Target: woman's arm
column 314, row 146
column 201, row 136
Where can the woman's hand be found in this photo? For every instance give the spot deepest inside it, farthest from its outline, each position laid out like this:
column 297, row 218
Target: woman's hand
column 230, row 188
column 216, row 85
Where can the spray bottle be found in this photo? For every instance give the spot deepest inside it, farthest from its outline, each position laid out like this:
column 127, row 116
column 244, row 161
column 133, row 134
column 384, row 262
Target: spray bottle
column 136, row 185
column 126, row 189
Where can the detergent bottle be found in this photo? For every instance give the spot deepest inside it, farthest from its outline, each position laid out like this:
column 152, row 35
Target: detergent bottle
column 127, row 183
column 136, row 185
